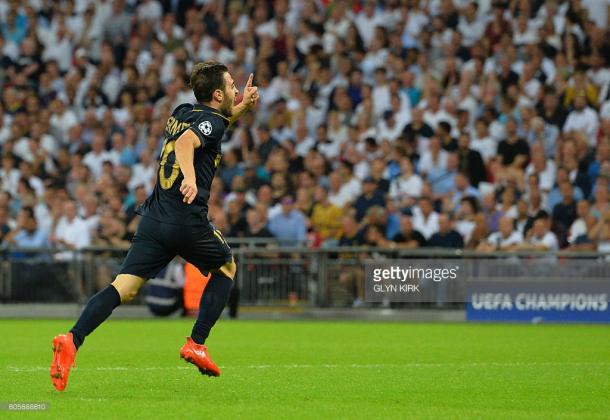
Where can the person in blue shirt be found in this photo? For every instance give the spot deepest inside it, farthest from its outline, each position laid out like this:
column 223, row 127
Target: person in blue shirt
column 288, row 226
column 27, row 234
column 462, row 188
column 555, row 196
column 15, row 27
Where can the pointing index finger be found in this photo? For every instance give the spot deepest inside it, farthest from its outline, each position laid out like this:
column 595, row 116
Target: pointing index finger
column 250, row 78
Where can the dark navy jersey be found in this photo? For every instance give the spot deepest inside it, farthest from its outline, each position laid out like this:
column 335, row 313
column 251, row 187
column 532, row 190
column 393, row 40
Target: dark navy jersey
column 165, row 204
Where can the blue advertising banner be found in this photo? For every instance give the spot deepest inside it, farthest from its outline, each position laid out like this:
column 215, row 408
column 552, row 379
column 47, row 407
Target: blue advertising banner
column 585, row 301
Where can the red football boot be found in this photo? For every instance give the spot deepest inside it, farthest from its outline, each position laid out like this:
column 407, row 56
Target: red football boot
column 64, row 353
column 198, row 355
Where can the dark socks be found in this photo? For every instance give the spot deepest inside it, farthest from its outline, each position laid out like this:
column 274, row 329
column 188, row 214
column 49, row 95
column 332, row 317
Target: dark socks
column 99, row 307
column 213, row 300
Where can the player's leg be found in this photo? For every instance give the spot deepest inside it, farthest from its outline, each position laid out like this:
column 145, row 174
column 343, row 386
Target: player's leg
column 146, row 257
column 123, row 289
column 208, row 252
column 148, row 254
column 213, row 300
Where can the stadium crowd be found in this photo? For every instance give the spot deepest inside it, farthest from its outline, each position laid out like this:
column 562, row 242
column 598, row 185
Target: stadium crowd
column 480, row 125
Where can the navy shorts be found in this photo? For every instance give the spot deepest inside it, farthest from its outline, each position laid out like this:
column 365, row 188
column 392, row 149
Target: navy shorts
column 156, row 243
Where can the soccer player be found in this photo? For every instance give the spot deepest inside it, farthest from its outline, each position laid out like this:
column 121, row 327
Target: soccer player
column 174, row 220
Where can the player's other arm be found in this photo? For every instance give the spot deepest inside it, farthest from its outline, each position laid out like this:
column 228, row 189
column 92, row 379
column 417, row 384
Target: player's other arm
column 185, row 149
column 249, row 101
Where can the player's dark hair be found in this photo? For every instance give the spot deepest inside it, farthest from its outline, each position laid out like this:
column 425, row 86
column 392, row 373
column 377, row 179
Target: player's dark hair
column 206, row 77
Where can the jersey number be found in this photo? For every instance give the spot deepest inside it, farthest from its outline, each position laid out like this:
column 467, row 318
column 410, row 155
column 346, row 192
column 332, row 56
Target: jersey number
column 167, row 182
column 168, row 148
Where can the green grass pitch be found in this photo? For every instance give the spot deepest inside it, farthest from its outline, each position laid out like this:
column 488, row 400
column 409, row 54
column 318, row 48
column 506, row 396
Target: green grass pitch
column 131, row 369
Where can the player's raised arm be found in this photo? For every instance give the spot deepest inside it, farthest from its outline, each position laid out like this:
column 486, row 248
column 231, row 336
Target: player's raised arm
column 185, row 149
column 249, row 100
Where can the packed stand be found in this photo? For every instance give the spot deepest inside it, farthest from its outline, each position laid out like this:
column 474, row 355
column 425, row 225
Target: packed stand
column 479, row 125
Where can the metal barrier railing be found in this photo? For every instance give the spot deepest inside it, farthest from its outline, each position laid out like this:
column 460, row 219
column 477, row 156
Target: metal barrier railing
column 268, row 274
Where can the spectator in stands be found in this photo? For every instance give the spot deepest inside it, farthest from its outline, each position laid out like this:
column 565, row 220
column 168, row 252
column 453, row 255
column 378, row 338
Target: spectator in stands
column 417, row 128
column 257, row 225
column 406, row 187
column 371, row 196
column 71, row 231
column 523, row 88
column 408, row 237
column 471, row 162
column 446, row 237
column 425, row 219
column 564, row 213
column 600, row 233
column 585, row 241
column 583, row 118
column 288, row 226
column 505, row 239
column 555, row 196
column 462, row 189
column 540, row 237
column 352, row 234
column 326, row 217
column 579, row 225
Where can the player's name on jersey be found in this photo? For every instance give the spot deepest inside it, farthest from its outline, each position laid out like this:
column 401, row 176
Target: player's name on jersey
column 174, row 126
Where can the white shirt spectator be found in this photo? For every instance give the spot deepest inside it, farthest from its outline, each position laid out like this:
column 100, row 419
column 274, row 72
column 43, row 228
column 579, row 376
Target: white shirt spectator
column 526, row 37
column 579, row 227
column 471, row 31
column 339, row 135
column 43, row 217
column 149, row 10
column 427, row 226
column 347, row 193
column 497, row 239
column 142, row 175
column 427, row 163
column 37, row 185
column 5, row 133
column 385, row 132
column 372, row 60
column 330, row 149
column 486, row 146
column 304, row 145
column 92, row 222
column 366, row 25
column 94, row 162
column 9, row 180
column 465, row 228
column 546, row 177
column 24, row 151
column 586, row 121
column 402, row 187
column 532, row 88
column 549, row 240
column 598, row 11
column 59, row 50
column 416, row 21
column 75, row 232
column 62, row 123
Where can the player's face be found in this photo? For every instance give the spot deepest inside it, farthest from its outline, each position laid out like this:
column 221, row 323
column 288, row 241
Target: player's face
column 230, row 92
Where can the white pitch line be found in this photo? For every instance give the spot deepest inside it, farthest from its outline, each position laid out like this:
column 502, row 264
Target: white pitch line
column 327, row 366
